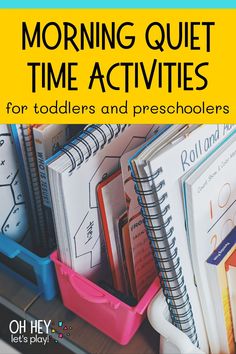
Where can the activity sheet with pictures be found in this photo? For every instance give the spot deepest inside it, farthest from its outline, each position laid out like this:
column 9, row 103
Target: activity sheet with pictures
column 210, row 207
column 159, row 175
column 78, row 225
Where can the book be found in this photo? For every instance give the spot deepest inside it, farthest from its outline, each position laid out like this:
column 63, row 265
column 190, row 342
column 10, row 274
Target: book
column 216, row 270
column 111, row 203
column 23, row 139
column 14, row 222
column 157, row 169
column 209, row 193
column 230, row 268
column 48, row 139
column 123, row 227
column 73, row 176
column 142, row 258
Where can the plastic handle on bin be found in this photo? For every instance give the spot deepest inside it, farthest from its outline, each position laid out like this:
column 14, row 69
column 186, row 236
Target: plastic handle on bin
column 87, row 292
column 9, row 250
column 176, row 340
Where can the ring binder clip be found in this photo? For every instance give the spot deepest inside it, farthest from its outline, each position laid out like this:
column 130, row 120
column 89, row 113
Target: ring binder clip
column 160, row 220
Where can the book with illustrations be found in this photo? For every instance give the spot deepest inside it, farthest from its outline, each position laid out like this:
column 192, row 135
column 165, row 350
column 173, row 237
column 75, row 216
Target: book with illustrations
column 157, row 169
column 209, row 192
column 216, row 270
column 74, row 174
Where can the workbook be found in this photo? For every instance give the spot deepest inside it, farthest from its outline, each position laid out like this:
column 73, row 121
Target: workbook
column 142, row 258
column 14, row 221
column 157, row 170
column 217, row 266
column 74, row 174
column 209, row 192
column 48, row 139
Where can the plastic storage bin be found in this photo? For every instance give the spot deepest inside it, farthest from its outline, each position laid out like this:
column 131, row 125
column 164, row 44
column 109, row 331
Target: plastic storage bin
column 38, row 273
column 98, row 307
column 172, row 340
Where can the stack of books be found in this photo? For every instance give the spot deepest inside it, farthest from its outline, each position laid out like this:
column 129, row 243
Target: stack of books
column 24, row 149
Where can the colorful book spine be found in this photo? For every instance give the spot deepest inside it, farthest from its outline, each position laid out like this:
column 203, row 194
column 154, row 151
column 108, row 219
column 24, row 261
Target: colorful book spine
column 48, row 139
column 230, row 268
column 25, row 161
column 217, row 277
column 28, row 140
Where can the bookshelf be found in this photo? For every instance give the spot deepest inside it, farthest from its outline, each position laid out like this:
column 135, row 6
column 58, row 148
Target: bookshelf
column 83, row 338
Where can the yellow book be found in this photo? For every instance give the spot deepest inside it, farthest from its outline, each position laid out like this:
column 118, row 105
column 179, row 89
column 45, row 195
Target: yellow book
column 216, row 266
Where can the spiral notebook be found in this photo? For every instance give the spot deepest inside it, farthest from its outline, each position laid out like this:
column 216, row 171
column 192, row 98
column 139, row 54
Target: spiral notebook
column 74, row 174
column 142, row 258
column 157, row 170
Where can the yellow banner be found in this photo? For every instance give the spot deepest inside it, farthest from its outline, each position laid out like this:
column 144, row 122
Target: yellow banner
column 126, row 66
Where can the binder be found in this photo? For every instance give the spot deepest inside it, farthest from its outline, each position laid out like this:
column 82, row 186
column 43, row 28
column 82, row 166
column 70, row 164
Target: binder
column 156, row 170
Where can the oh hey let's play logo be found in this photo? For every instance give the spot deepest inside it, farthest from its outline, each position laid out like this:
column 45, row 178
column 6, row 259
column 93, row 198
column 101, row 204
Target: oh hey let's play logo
column 38, row 331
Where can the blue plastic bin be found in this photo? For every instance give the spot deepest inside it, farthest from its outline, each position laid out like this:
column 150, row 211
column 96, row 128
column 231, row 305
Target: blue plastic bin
column 35, row 272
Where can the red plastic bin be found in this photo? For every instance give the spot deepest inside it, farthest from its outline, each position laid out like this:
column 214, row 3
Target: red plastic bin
column 98, row 307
